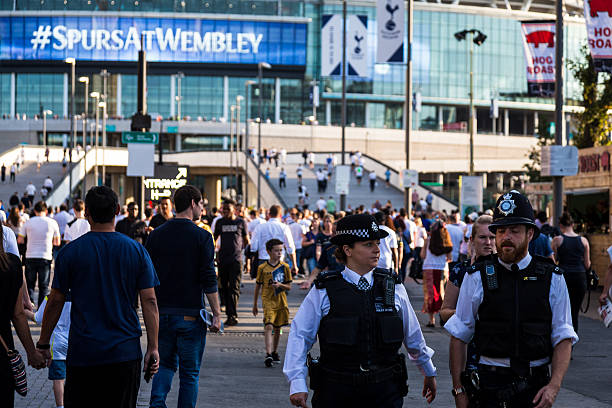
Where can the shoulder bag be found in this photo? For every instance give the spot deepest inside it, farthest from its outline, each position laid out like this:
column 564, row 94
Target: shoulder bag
column 17, row 369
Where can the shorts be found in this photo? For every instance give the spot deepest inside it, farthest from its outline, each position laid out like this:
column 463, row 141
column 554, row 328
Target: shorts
column 57, row 370
column 276, row 317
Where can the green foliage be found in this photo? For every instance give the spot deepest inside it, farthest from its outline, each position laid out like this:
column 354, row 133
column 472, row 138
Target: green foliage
column 593, row 123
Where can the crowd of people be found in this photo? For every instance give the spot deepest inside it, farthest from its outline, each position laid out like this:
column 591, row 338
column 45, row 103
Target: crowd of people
column 110, row 260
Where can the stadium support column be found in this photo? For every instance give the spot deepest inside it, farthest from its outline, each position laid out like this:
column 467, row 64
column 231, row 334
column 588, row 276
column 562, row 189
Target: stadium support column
column 559, row 125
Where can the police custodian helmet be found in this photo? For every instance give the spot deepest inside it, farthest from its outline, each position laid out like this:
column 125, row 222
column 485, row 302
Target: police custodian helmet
column 513, row 208
column 354, row 228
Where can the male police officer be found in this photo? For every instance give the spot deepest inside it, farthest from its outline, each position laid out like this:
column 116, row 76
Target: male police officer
column 361, row 316
column 518, row 311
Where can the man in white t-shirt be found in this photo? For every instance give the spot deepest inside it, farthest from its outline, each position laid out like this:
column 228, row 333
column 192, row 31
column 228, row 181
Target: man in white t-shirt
column 456, row 234
column 253, row 221
column 31, row 191
column 372, row 177
column 388, row 246
column 297, row 232
column 321, row 203
column 63, row 218
column 42, row 233
column 79, row 225
column 48, row 183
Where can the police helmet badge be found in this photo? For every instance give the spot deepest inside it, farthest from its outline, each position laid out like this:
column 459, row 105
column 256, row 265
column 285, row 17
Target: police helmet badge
column 374, row 227
column 507, row 206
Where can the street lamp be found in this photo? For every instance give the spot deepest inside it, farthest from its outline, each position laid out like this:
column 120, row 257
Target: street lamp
column 45, row 113
column 246, row 141
column 179, row 97
column 260, row 68
column 72, row 63
column 238, row 99
column 96, row 96
column 102, row 105
column 231, row 136
column 85, row 80
column 478, row 38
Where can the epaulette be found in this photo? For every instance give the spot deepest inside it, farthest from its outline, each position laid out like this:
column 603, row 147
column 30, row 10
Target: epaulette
column 481, row 263
column 326, row 276
column 387, row 272
column 544, row 264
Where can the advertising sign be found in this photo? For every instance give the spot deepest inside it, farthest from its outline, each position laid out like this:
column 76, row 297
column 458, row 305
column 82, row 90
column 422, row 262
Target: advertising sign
column 166, row 180
column 471, row 194
column 539, row 46
column 559, row 161
column 357, row 42
column 598, row 15
column 102, row 38
column 331, row 45
column 390, row 31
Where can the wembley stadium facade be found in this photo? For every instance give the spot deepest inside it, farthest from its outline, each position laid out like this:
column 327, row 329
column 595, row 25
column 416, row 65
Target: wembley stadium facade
column 37, row 35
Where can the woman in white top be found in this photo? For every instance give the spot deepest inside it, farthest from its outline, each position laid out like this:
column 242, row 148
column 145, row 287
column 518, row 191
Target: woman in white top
column 436, row 255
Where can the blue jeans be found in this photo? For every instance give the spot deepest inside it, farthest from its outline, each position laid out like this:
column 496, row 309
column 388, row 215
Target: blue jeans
column 312, row 263
column 181, row 343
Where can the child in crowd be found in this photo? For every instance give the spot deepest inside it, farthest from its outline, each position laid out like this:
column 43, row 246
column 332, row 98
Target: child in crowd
column 59, row 348
column 273, row 279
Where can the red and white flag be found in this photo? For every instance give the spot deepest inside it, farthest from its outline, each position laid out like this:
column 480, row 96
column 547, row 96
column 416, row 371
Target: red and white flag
column 598, row 16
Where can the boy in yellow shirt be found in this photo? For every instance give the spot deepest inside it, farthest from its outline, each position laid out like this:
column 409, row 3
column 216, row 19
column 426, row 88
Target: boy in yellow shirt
column 273, row 280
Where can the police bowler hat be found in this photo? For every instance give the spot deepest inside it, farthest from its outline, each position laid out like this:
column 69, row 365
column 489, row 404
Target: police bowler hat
column 513, row 208
column 359, row 227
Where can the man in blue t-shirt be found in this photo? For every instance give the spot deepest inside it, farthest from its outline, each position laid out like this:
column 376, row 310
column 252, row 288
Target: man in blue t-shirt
column 103, row 272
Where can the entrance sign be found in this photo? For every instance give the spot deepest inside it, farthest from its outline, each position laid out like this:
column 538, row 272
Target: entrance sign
column 166, row 180
column 111, row 38
column 343, row 178
column 559, row 161
column 598, row 16
column 470, row 198
column 539, row 47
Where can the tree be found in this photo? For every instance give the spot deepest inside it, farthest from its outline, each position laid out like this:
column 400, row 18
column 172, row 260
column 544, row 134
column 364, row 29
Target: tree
column 593, row 124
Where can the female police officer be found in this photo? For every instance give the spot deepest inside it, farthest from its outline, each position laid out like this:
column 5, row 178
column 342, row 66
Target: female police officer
column 361, row 316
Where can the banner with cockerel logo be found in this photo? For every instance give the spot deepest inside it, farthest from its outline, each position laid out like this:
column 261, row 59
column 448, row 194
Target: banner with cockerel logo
column 539, row 46
column 598, row 16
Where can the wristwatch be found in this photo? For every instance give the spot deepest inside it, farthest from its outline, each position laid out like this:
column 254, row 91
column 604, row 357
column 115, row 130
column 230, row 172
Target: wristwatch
column 457, row 391
column 43, row 346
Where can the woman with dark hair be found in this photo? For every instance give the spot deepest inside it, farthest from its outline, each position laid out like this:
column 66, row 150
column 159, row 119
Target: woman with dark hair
column 436, row 254
column 11, row 310
column 308, row 245
column 572, row 253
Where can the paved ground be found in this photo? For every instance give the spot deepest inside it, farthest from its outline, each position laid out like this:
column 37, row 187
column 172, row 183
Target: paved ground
column 233, row 373
column 28, row 173
column 359, row 194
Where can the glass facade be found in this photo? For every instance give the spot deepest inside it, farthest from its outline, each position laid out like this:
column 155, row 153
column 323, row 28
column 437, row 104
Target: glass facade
column 440, row 72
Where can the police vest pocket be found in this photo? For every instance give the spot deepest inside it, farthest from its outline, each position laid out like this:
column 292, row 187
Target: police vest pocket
column 391, row 329
column 341, row 330
column 491, row 338
column 536, row 336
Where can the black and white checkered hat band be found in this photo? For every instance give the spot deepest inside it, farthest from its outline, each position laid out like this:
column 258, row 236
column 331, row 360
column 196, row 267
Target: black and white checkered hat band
column 361, row 233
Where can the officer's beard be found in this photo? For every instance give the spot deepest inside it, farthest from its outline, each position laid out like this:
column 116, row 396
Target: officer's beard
column 510, row 253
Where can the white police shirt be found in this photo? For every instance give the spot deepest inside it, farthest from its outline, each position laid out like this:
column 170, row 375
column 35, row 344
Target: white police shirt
column 462, row 324
column 315, row 306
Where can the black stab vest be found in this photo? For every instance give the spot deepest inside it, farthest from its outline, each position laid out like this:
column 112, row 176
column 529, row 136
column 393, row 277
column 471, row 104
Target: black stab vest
column 515, row 320
column 359, row 331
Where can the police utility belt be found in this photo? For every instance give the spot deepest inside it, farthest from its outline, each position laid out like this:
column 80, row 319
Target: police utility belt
column 319, row 373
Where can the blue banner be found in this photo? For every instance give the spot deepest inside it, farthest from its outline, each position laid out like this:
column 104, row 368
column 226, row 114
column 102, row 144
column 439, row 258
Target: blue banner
column 165, row 40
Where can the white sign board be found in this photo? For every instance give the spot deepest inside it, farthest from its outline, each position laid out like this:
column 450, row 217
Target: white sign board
column 331, row 44
column 471, row 194
column 410, row 178
column 343, row 178
column 559, row 161
column 141, row 160
column 357, row 46
column 356, row 41
column 390, row 30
